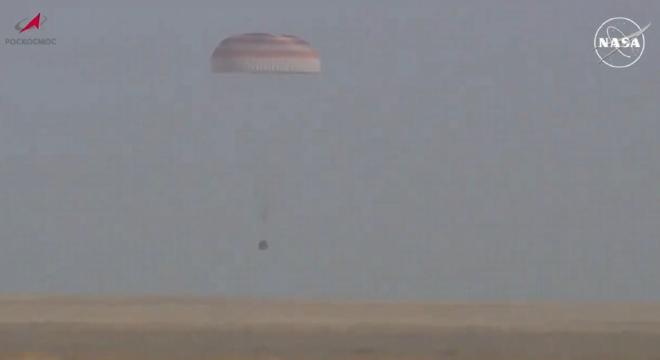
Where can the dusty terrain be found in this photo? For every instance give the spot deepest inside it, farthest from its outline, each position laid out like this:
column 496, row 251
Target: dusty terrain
column 238, row 329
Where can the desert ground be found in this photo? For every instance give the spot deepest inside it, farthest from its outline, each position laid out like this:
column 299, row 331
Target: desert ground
column 123, row 328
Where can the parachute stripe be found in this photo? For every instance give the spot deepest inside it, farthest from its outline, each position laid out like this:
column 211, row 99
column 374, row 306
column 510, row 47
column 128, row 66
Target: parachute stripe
column 265, row 53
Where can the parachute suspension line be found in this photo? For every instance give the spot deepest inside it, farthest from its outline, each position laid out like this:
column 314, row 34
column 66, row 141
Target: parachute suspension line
column 263, row 53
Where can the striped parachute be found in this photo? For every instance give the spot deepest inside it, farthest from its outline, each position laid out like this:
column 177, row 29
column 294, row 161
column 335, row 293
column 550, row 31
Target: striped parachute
column 265, row 53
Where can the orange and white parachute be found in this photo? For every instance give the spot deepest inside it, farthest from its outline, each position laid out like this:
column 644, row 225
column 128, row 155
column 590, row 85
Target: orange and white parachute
column 265, row 53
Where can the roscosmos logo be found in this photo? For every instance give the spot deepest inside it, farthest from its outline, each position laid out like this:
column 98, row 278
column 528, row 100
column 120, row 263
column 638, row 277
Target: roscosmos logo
column 30, row 24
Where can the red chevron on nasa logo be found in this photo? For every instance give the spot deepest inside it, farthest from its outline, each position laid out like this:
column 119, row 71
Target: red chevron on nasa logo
column 35, row 23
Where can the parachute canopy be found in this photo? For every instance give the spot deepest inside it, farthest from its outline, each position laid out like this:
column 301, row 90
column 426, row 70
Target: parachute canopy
column 265, row 53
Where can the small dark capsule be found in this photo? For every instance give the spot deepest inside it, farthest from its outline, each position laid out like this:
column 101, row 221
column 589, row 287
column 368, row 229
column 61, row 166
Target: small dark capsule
column 263, row 245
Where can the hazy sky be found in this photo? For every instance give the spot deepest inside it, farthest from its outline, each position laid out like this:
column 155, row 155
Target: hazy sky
column 449, row 150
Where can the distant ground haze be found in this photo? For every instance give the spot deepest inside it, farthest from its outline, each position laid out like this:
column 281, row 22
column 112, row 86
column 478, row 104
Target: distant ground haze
column 212, row 328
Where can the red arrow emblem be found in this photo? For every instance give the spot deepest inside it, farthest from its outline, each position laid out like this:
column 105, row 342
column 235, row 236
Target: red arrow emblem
column 34, row 23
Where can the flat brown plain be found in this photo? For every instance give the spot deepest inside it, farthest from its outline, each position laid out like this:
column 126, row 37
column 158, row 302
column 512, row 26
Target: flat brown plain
column 40, row 328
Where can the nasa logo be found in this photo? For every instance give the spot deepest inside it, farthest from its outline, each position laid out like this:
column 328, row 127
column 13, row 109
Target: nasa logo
column 619, row 42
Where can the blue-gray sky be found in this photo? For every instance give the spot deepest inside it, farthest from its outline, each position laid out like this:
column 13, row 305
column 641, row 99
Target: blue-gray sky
column 450, row 150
